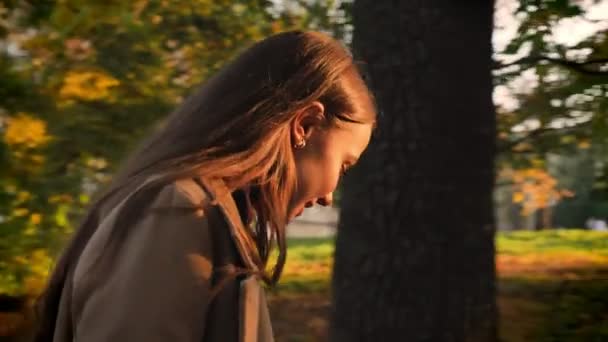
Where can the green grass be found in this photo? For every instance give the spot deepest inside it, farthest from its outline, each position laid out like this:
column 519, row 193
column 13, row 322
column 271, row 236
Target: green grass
column 552, row 284
column 552, row 241
column 553, row 309
column 311, row 249
column 517, row 243
column 308, row 266
column 524, row 255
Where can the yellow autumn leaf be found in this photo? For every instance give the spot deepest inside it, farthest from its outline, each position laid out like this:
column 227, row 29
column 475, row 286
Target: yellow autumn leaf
column 35, row 218
column 34, row 285
column 97, row 163
column 276, row 26
column 25, row 131
column 20, row 212
column 23, row 196
column 37, row 158
column 156, row 19
column 87, row 85
column 60, row 198
column 535, row 188
column 518, row 197
column 21, row 260
column 40, row 263
column 30, row 231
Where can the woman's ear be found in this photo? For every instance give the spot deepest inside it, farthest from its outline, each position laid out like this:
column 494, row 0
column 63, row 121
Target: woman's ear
column 306, row 121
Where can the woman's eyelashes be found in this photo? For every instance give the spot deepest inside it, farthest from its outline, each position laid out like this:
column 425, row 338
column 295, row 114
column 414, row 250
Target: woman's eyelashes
column 344, row 169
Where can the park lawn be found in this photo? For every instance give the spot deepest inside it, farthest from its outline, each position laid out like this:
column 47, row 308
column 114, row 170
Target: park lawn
column 552, row 286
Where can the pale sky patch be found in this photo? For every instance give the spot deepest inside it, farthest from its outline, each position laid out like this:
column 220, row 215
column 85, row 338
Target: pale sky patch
column 568, row 32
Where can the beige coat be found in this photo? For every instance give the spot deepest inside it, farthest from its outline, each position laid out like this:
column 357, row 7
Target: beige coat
column 157, row 285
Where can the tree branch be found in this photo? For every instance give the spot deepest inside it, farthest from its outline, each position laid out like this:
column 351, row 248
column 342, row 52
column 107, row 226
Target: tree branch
column 510, row 144
column 507, row 146
column 582, row 67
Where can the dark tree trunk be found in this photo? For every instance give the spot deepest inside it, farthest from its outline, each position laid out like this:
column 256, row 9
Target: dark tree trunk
column 415, row 246
column 543, row 218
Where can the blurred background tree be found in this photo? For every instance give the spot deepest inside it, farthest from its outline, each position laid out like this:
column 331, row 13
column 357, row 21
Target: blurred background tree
column 552, row 95
column 81, row 82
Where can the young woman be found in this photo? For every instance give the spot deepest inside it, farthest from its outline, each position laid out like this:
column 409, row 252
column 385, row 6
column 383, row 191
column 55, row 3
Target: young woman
column 175, row 248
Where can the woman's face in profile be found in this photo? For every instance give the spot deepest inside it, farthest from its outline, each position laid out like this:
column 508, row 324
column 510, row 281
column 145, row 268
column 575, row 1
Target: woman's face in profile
column 328, row 153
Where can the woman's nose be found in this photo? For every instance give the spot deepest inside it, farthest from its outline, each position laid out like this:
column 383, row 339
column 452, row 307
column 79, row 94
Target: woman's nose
column 325, row 200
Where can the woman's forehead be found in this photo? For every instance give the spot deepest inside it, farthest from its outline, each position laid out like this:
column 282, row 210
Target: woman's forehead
column 364, row 108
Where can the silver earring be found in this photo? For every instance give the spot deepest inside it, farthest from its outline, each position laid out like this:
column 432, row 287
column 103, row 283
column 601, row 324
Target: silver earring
column 300, row 144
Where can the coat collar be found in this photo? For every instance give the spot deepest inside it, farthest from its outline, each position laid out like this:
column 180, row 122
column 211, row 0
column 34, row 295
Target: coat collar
column 220, row 195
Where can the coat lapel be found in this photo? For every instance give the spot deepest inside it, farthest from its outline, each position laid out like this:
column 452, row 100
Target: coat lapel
column 221, row 196
column 254, row 321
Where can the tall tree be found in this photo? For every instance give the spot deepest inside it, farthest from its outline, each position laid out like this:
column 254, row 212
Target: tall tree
column 415, row 248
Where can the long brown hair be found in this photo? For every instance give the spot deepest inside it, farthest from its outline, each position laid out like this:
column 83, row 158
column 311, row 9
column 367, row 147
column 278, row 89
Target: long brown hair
column 234, row 127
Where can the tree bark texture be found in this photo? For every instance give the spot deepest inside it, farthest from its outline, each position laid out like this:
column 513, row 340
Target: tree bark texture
column 415, row 248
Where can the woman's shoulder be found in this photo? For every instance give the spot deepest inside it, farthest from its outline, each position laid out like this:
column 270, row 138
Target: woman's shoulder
column 182, row 193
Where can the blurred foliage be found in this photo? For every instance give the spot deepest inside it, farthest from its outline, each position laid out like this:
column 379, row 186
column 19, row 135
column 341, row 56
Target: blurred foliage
column 572, row 95
column 534, row 188
column 560, row 90
column 563, row 106
column 82, row 81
